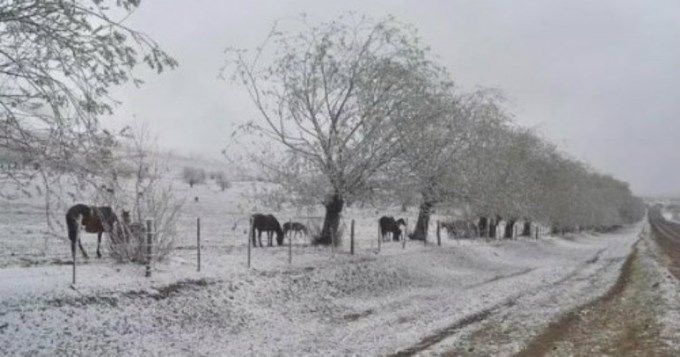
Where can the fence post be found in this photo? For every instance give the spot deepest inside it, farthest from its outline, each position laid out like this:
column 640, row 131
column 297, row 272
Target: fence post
column 149, row 248
column 198, row 244
column 73, row 251
column 248, row 242
column 351, row 239
column 290, row 241
column 439, row 237
column 403, row 241
column 537, row 231
column 379, row 237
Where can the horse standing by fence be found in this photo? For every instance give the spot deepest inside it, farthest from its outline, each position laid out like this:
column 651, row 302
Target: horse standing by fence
column 389, row 225
column 269, row 224
column 295, row 227
column 95, row 220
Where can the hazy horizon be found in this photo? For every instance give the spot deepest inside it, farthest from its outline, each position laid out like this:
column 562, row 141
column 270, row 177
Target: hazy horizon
column 599, row 79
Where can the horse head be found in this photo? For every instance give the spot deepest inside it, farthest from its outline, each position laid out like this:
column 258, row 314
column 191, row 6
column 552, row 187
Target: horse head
column 279, row 236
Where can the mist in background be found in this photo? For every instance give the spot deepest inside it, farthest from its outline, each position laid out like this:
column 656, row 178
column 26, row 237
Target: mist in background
column 600, row 79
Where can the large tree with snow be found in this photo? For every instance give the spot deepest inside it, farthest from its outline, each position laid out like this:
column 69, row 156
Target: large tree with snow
column 332, row 95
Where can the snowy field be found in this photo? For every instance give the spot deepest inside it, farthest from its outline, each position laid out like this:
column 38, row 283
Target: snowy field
column 416, row 299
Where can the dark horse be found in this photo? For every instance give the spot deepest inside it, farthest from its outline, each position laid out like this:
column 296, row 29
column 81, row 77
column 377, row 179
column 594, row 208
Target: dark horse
column 94, row 219
column 269, row 224
column 295, row 227
column 389, row 225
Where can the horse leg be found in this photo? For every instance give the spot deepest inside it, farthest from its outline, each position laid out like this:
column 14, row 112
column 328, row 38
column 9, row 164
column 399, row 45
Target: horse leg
column 269, row 238
column 73, row 248
column 259, row 237
column 99, row 243
column 80, row 244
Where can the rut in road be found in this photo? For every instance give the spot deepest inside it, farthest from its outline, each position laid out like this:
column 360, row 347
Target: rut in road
column 620, row 323
column 497, row 311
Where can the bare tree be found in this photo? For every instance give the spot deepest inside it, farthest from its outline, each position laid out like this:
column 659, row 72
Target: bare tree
column 58, row 60
column 193, row 176
column 221, row 180
column 332, row 96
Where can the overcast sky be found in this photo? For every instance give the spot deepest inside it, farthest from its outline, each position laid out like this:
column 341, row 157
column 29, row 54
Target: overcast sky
column 599, row 78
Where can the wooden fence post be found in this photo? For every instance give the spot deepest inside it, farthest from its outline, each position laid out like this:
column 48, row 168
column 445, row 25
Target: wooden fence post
column 73, row 251
column 439, row 237
column 290, row 241
column 198, row 244
column 248, row 242
column 149, row 246
column 351, row 239
column 379, row 237
column 403, row 242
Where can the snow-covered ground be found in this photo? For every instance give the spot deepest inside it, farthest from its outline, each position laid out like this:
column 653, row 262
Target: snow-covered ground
column 323, row 304
column 417, row 298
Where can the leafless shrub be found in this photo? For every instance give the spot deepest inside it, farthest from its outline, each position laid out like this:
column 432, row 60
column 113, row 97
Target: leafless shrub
column 151, row 198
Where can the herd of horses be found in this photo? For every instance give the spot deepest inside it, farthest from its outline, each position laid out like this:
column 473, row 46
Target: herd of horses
column 102, row 219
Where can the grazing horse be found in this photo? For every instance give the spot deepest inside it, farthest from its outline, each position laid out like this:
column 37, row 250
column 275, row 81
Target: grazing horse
column 266, row 223
column 296, row 227
column 94, row 219
column 389, row 225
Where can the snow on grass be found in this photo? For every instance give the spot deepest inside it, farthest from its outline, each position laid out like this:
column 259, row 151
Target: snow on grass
column 326, row 302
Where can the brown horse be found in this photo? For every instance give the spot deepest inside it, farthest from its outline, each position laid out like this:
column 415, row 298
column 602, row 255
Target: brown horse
column 95, row 220
column 266, row 223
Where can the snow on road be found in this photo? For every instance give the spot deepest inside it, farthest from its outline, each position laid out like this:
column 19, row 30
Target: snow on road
column 335, row 304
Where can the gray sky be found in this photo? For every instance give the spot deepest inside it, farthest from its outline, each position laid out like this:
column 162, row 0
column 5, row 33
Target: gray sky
column 599, row 78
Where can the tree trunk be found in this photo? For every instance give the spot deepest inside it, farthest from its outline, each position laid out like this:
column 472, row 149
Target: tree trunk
column 509, row 228
column 493, row 224
column 526, row 231
column 331, row 221
column 483, row 221
column 420, row 233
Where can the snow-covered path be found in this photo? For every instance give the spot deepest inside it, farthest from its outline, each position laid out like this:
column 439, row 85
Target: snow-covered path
column 422, row 299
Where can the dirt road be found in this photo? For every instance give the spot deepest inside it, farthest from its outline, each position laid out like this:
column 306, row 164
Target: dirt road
column 637, row 315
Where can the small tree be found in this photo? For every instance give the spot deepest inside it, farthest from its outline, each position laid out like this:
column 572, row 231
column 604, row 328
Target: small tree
column 221, row 180
column 146, row 196
column 193, row 176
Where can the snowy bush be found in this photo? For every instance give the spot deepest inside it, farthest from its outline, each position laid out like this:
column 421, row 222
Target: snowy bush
column 149, row 197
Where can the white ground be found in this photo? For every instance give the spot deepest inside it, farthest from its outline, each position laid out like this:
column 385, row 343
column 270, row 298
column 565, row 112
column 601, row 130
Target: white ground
column 324, row 303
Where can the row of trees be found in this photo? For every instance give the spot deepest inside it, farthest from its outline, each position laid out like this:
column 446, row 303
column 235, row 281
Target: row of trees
column 197, row 176
column 359, row 109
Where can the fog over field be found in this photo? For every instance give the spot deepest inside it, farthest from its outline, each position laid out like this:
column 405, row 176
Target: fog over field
column 339, row 178
column 598, row 78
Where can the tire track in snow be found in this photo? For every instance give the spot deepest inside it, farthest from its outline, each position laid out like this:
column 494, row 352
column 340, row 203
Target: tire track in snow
column 481, row 316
